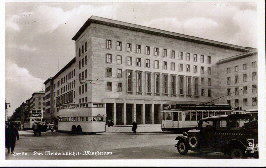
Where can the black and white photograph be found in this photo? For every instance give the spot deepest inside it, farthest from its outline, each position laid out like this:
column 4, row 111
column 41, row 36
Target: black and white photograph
column 133, row 81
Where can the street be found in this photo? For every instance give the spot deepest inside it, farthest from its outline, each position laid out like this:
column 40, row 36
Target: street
column 54, row 145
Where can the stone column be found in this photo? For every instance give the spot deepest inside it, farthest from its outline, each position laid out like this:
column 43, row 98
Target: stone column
column 125, row 113
column 143, row 113
column 114, row 114
column 134, row 112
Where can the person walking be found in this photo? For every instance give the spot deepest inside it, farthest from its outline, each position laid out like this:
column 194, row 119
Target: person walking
column 12, row 136
column 134, row 127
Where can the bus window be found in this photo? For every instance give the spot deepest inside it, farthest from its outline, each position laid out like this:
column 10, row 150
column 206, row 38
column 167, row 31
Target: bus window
column 205, row 114
column 223, row 124
column 199, row 115
column 187, row 118
column 180, row 116
column 168, row 116
column 211, row 113
column 193, row 116
column 175, row 116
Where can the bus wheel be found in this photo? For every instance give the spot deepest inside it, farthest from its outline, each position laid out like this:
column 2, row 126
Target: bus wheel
column 193, row 142
column 182, row 147
column 79, row 129
column 73, row 129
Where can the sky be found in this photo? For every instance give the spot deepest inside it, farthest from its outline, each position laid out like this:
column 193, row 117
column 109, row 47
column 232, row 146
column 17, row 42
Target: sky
column 38, row 35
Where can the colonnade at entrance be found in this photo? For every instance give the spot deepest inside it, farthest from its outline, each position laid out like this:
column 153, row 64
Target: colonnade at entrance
column 126, row 113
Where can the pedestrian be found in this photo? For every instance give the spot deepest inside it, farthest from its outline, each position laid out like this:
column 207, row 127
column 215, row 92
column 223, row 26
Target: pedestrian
column 11, row 136
column 134, row 127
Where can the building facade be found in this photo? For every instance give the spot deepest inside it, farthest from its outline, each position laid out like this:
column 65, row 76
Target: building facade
column 134, row 70
column 238, row 81
column 36, row 104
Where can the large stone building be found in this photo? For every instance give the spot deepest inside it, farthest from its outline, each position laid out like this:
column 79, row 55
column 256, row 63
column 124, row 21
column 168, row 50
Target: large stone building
column 36, row 104
column 134, row 70
column 238, row 80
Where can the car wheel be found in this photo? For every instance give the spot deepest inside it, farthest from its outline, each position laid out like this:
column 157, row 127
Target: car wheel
column 193, row 142
column 182, row 147
column 236, row 153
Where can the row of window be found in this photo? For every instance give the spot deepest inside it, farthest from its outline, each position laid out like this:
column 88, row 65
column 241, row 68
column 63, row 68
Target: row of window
column 83, row 62
column 245, row 78
column 244, row 67
column 254, row 102
column 83, row 75
column 156, row 51
column 65, row 98
column 244, row 90
column 69, row 86
column 83, row 89
column 156, row 64
column 79, row 119
column 83, row 48
column 67, row 77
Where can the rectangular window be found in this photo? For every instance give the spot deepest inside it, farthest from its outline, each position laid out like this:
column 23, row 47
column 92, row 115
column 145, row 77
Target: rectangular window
column 129, row 81
column 228, row 70
column 147, row 63
column 244, row 66
column 195, row 57
column 254, row 64
column 181, row 85
column 108, row 44
column 196, row 86
column 236, row 79
column 79, row 52
column 156, row 64
column 148, row 83
column 86, row 46
column 254, row 88
column 236, row 91
column 228, row 92
column 236, row 68
column 157, row 84
column 165, row 65
column 245, row 101
column 173, row 54
column 119, row 87
column 245, row 76
column 254, row 101
column 82, row 62
column 209, row 70
column 164, row 52
column 156, row 51
column 119, row 46
column 202, row 69
column 236, row 103
column 173, row 85
column 139, row 82
column 108, row 72
column 181, row 68
column 129, row 61
column 82, row 49
column 209, row 82
column 195, row 68
column 209, row 58
column 189, row 88
column 228, row 81
column 202, row 58
column 202, row 92
column 119, row 59
column 86, row 60
column 109, row 86
column 165, row 84
column 129, row 47
column 119, row 73
column 147, row 50
column 202, row 81
column 181, row 56
column 209, row 93
column 188, row 57
column 138, row 62
column 138, row 48
column 86, row 74
column 172, row 66
column 254, row 76
column 245, row 90
column 188, row 68
column 108, row 58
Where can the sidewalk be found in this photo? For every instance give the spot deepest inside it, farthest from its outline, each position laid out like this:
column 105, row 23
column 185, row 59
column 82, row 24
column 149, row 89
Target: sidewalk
column 27, row 132
column 149, row 128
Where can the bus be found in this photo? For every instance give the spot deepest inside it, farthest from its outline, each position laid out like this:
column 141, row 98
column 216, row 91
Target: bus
column 183, row 117
column 82, row 118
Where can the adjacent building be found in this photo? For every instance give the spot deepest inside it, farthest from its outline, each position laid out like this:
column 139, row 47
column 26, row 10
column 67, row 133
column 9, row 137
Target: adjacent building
column 134, row 70
column 238, row 80
column 36, row 104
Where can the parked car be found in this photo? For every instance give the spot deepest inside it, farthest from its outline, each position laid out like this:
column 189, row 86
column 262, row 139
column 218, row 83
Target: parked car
column 236, row 135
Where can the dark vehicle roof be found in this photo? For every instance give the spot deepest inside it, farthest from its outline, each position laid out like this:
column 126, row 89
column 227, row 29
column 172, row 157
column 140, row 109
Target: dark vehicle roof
column 230, row 116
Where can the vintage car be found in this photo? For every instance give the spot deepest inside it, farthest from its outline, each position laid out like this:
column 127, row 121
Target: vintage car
column 236, row 135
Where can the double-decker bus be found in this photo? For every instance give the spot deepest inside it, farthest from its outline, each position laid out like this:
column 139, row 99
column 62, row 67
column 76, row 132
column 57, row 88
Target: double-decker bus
column 82, row 118
column 182, row 117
